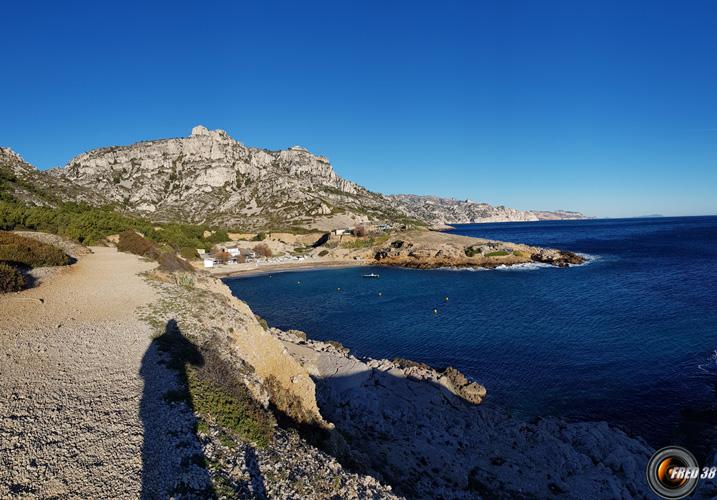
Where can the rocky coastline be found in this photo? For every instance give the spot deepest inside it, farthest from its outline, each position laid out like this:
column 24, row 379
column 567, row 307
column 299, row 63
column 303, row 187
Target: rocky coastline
column 421, row 431
column 432, row 250
column 344, row 426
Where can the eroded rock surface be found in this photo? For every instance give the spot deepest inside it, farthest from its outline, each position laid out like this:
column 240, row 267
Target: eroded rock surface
column 405, row 424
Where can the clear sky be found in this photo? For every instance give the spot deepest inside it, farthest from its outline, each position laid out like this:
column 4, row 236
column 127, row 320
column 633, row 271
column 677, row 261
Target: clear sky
column 608, row 107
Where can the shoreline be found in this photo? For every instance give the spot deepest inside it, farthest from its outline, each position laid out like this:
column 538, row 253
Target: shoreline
column 285, row 267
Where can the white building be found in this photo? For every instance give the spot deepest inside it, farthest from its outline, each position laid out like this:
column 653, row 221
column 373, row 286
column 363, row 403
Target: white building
column 209, row 262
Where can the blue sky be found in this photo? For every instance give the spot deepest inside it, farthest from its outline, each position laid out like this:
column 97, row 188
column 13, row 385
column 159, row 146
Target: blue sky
column 608, row 107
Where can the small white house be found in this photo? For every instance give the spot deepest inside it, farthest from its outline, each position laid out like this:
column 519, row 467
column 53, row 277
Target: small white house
column 339, row 232
column 201, row 251
column 233, row 251
column 209, row 262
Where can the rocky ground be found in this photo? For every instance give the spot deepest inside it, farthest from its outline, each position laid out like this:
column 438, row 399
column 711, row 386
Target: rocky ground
column 84, row 411
column 70, row 382
column 415, row 430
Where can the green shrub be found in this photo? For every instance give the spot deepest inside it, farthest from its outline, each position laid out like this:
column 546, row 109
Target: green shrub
column 472, row 251
column 185, row 280
column 323, row 253
column 499, row 253
column 76, row 221
column 371, row 241
column 188, row 253
column 229, row 406
column 90, row 225
column 29, row 252
column 260, row 237
column 262, row 322
column 214, row 390
column 11, row 280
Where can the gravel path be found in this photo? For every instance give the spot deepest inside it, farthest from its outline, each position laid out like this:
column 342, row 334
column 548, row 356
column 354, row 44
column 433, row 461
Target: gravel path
column 81, row 388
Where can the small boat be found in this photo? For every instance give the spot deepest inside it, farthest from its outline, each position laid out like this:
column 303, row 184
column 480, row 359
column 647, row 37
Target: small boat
column 372, row 275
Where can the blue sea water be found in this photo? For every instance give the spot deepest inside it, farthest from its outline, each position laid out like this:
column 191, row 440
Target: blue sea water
column 629, row 338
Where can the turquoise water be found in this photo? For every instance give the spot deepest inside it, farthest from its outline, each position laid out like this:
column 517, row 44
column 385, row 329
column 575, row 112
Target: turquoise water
column 630, row 338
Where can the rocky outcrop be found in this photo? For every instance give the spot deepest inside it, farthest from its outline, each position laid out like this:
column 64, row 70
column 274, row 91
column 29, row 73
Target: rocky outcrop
column 558, row 258
column 428, row 250
column 417, row 429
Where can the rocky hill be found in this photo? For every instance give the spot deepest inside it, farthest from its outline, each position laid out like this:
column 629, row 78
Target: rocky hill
column 22, row 182
column 211, row 178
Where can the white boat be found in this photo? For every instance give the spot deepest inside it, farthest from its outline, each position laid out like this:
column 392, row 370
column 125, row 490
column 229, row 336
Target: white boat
column 372, row 275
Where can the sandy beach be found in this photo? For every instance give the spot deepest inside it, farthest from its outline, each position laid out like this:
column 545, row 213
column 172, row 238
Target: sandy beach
column 255, row 268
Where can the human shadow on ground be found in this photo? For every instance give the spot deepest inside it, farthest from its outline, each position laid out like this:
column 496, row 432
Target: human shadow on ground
column 257, row 480
column 173, row 463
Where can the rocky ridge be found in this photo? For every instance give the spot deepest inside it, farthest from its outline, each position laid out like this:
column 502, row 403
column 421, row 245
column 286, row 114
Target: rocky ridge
column 212, row 178
column 209, row 177
column 25, row 183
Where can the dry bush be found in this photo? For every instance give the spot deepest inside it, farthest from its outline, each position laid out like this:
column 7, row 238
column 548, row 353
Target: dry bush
column 29, row 252
column 169, row 261
column 133, row 242
column 11, row 280
column 222, row 257
column 262, row 250
column 360, row 231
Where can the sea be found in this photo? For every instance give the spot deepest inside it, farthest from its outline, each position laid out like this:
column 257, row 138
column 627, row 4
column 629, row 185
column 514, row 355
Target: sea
column 629, row 338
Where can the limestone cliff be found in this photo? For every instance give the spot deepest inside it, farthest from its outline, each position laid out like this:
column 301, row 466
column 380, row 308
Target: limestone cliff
column 210, row 177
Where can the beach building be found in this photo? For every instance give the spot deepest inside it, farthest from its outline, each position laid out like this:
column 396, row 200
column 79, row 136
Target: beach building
column 209, row 262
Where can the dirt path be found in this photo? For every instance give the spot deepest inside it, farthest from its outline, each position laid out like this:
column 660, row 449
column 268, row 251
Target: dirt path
column 75, row 367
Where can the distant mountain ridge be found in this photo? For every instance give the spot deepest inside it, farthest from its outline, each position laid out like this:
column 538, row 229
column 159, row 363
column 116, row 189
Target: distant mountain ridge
column 209, row 177
column 452, row 211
